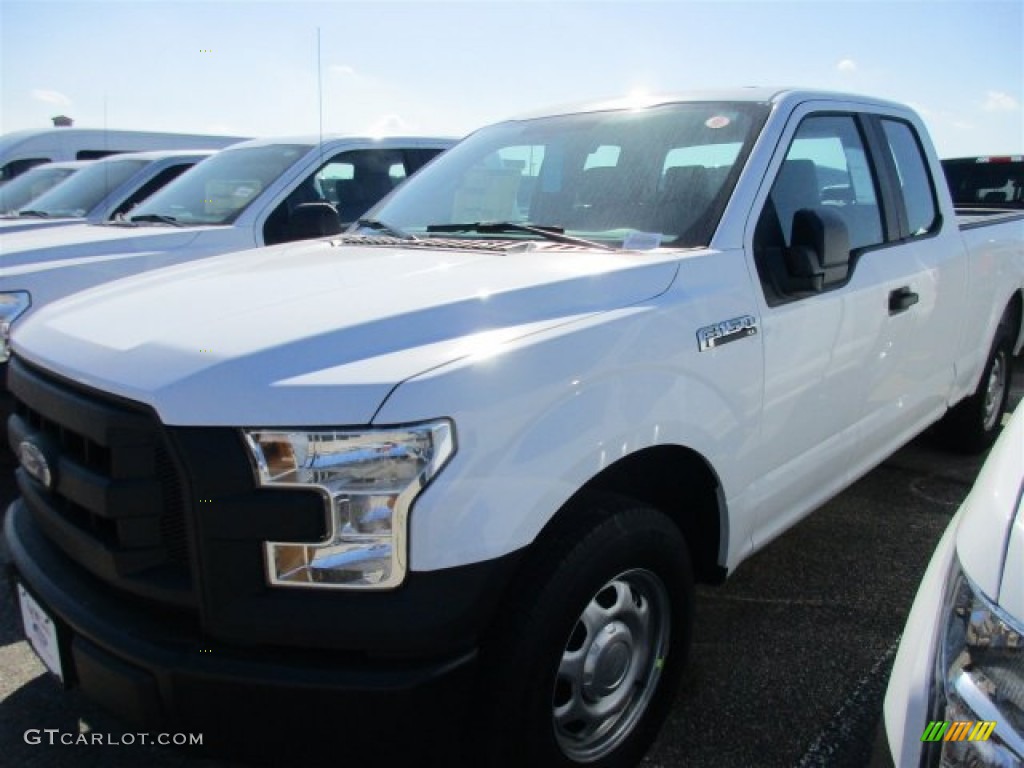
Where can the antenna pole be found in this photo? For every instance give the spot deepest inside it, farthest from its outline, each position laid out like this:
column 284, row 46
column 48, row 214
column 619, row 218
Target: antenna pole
column 106, row 145
column 320, row 93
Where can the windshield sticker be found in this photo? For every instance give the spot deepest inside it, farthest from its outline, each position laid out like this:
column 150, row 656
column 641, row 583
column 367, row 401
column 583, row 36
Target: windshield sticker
column 641, row 241
column 718, row 121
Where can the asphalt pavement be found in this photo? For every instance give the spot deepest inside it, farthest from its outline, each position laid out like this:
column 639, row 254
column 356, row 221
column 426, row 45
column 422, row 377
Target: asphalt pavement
column 790, row 658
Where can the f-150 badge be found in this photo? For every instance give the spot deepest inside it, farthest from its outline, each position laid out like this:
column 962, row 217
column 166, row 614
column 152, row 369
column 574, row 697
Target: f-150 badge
column 711, row 336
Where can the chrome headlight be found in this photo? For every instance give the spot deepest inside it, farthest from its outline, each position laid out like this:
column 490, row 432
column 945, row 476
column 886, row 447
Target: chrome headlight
column 980, row 677
column 12, row 305
column 369, row 480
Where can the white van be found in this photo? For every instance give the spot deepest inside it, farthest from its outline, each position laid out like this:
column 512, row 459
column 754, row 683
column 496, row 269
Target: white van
column 21, row 150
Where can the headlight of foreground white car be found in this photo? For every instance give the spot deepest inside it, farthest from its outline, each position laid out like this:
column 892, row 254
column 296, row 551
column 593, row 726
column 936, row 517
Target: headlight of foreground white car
column 956, row 693
column 12, row 305
column 369, row 480
column 980, row 678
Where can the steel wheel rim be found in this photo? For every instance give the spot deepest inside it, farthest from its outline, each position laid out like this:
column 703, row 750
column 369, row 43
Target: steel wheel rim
column 994, row 391
column 611, row 664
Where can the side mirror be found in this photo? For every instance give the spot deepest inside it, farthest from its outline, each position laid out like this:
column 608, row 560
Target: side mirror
column 311, row 220
column 819, row 253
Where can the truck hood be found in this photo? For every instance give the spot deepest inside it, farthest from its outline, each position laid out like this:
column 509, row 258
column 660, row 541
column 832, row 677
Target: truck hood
column 990, row 537
column 319, row 333
column 35, row 250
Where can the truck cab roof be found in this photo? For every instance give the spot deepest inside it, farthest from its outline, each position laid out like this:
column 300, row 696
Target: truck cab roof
column 751, row 94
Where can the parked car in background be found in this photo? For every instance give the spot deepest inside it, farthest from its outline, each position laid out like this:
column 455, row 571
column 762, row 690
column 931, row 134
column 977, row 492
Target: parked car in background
column 110, row 187
column 986, row 182
column 956, row 693
column 21, row 150
column 34, row 182
column 255, row 193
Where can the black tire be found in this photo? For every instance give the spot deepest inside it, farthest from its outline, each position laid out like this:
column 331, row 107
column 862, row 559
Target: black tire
column 974, row 423
column 601, row 619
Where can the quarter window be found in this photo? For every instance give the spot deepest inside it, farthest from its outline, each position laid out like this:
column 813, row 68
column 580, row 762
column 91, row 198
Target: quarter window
column 915, row 181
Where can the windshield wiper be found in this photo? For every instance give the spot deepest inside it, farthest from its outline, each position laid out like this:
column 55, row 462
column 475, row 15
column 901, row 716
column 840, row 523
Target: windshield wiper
column 379, row 226
column 157, row 217
column 555, row 234
column 34, row 214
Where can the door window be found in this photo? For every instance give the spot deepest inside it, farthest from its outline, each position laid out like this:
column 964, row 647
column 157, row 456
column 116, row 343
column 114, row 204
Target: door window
column 352, row 182
column 826, row 171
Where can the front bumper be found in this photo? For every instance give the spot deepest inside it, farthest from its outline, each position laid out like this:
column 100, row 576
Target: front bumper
column 157, row 670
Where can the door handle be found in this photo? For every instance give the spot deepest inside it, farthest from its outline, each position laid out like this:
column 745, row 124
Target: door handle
column 901, row 300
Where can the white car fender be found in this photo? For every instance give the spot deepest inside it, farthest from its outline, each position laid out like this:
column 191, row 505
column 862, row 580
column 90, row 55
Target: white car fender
column 546, row 407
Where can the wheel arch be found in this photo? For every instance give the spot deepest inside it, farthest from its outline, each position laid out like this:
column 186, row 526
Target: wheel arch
column 677, row 481
column 1015, row 311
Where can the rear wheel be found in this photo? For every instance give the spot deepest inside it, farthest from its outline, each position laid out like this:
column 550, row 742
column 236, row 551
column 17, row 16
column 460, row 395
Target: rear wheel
column 584, row 664
column 973, row 425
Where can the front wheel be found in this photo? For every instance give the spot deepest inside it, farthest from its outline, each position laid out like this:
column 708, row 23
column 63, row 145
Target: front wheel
column 587, row 657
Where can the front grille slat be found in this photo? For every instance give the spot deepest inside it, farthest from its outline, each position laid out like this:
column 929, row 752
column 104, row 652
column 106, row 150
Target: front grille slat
column 106, row 497
column 93, row 552
column 117, row 505
column 59, row 407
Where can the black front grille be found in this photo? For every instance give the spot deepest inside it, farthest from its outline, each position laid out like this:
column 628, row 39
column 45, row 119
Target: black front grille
column 116, row 503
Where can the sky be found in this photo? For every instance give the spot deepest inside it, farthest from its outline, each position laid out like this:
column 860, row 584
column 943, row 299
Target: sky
column 252, row 67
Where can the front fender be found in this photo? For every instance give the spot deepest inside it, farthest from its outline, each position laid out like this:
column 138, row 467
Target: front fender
column 535, row 423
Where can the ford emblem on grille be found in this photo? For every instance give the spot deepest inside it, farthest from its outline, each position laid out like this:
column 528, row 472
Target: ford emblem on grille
column 33, row 460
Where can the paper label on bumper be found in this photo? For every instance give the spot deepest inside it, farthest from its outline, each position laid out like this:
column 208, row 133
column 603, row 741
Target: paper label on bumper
column 40, row 632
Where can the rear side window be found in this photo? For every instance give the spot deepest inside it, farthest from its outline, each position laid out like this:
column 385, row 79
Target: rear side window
column 915, row 181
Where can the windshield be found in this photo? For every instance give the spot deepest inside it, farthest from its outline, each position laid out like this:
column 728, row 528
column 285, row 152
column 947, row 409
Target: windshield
column 652, row 176
column 30, row 185
column 85, row 190
column 217, row 190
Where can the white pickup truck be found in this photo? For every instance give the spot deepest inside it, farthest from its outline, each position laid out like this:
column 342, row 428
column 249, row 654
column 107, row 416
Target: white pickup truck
column 457, row 470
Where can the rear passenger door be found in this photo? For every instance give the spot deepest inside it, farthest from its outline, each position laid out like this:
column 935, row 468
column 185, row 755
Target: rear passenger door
column 924, row 272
